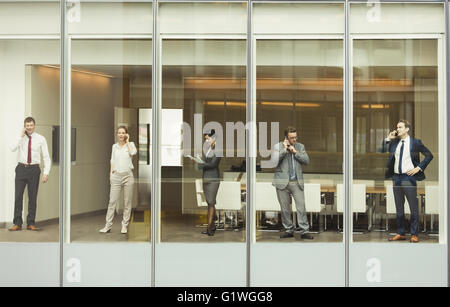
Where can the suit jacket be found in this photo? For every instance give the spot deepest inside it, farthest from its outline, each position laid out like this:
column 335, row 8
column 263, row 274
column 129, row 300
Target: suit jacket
column 416, row 147
column 280, row 158
column 210, row 169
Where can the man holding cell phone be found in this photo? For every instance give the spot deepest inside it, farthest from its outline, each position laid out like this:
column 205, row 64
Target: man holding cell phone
column 29, row 145
column 405, row 168
column 289, row 156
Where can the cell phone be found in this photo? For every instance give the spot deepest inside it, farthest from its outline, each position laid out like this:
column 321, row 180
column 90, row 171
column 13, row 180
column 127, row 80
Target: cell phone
column 289, row 144
column 396, row 133
column 26, row 133
column 126, row 137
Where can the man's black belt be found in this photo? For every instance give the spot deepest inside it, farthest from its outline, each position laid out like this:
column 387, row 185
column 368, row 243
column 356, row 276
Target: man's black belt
column 29, row 165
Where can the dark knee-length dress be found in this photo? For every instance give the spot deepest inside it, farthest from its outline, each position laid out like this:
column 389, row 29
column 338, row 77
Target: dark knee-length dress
column 211, row 177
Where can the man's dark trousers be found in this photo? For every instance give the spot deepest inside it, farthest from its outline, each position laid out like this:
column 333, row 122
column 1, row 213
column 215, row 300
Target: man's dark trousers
column 26, row 176
column 406, row 186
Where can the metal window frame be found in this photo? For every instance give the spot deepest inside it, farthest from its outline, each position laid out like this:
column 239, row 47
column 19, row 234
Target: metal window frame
column 64, row 174
column 250, row 116
column 447, row 98
column 250, row 214
column 62, row 144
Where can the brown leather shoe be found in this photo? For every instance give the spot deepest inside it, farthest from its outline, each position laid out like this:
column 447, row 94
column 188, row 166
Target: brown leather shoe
column 15, row 228
column 33, row 228
column 397, row 238
column 414, row 239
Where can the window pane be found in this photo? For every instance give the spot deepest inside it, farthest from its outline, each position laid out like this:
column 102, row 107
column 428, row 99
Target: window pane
column 394, row 80
column 398, row 135
column 299, row 87
column 110, row 172
column 203, row 90
column 29, row 185
column 116, row 92
column 30, row 73
column 302, row 89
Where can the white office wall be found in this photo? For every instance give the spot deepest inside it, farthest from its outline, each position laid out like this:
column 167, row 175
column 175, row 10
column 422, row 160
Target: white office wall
column 203, row 18
column 111, row 18
column 42, row 102
column 402, row 18
column 21, row 18
column 299, row 18
column 93, row 118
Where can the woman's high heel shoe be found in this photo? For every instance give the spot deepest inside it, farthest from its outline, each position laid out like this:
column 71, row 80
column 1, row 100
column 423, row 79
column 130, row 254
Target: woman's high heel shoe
column 105, row 230
column 209, row 231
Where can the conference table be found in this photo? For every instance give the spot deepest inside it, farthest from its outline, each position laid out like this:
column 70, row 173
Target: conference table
column 375, row 194
column 369, row 190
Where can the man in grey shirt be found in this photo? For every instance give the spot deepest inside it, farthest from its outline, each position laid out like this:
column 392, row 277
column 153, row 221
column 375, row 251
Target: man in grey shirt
column 288, row 156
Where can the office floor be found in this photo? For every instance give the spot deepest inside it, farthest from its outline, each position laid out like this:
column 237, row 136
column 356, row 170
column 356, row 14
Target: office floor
column 180, row 228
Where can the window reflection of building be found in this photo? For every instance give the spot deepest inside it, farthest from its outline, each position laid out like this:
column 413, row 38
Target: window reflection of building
column 401, row 85
column 303, row 87
column 206, row 94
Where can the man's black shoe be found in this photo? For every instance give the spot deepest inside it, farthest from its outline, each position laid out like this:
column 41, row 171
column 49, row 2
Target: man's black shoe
column 287, row 235
column 307, row 236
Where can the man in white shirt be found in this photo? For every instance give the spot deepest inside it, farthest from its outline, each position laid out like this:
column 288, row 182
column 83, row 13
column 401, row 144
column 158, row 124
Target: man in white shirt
column 29, row 146
column 405, row 169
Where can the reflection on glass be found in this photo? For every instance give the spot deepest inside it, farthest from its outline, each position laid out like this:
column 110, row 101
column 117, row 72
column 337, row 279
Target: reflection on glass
column 300, row 97
column 111, row 105
column 203, row 171
column 29, row 95
column 395, row 137
column 144, row 144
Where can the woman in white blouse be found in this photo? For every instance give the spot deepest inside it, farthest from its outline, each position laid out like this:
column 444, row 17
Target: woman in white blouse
column 121, row 176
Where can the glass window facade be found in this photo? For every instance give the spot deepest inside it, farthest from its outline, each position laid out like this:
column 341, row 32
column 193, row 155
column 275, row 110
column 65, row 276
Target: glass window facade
column 191, row 143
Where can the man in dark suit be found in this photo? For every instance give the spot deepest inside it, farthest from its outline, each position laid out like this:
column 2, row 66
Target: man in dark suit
column 405, row 168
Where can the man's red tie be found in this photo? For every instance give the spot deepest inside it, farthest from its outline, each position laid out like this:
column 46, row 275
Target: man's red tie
column 29, row 150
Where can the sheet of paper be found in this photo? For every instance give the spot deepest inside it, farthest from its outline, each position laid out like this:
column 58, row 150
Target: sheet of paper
column 196, row 159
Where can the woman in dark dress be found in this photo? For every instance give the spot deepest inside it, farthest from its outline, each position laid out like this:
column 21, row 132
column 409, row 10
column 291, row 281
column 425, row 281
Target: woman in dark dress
column 211, row 180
